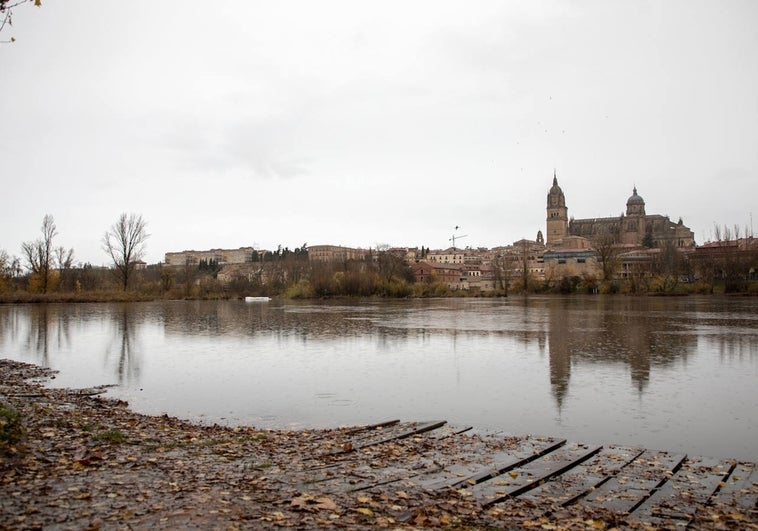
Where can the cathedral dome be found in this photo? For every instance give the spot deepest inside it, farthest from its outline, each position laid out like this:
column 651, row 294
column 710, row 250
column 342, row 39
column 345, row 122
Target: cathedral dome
column 635, row 199
column 635, row 205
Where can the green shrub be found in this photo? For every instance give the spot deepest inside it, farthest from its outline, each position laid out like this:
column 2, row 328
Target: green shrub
column 11, row 427
column 301, row 290
column 111, row 436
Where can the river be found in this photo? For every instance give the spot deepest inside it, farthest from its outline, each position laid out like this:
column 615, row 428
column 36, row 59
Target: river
column 675, row 373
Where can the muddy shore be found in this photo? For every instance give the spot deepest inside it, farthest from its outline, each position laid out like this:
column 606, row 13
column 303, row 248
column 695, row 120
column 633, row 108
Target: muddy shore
column 73, row 459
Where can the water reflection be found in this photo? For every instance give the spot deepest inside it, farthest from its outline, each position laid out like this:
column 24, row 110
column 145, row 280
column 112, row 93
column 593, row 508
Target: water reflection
column 625, row 369
column 48, row 328
column 632, row 332
column 125, row 346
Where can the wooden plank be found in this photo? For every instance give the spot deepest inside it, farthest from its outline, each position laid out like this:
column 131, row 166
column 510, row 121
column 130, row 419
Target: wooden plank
column 678, row 499
column 583, row 478
column 447, row 431
column 369, row 427
column 537, row 472
column 485, row 466
column 740, row 489
column 635, row 482
column 401, row 431
column 382, row 434
column 418, row 457
column 342, row 471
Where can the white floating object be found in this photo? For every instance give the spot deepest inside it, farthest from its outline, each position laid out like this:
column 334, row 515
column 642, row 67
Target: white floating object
column 257, row 299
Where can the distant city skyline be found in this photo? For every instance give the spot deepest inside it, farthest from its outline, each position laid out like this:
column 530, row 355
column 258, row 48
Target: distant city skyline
column 251, row 124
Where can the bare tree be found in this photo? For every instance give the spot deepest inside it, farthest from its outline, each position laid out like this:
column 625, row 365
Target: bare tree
column 502, row 265
column 64, row 260
column 604, row 242
column 668, row 266
column 125, row 243
column 6, row 13
column 39, row 254
column 6, row 269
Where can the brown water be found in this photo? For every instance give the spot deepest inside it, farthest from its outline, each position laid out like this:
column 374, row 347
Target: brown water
column 666, row 373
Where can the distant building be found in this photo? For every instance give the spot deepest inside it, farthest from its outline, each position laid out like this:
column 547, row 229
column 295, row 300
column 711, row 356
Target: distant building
column 335, row 253
column 447, row 256
column 635, row 228
column 221, row 256
column 455, row 276
column 569, row 263
column 450, row 274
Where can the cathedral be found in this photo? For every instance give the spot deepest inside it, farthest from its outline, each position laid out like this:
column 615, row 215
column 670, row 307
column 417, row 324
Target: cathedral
column 633, row 229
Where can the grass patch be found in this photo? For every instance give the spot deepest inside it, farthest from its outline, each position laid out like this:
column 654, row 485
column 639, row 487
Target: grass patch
column 11, row 427
column 111, row 437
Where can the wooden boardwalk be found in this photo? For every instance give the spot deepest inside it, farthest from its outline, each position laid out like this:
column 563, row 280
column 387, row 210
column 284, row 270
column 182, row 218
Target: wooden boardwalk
column 542, row 473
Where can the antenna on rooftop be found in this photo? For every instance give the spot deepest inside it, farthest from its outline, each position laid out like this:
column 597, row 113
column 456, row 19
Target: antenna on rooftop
column 454, row 237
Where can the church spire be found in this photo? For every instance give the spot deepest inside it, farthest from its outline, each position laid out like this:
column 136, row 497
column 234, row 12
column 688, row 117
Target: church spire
column 555, row 178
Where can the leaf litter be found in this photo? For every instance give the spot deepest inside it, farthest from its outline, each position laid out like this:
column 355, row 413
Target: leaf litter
column 82, row 461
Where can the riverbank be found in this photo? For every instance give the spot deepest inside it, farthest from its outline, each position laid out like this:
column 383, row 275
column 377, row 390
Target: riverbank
column 23, row 297
column 72, row 459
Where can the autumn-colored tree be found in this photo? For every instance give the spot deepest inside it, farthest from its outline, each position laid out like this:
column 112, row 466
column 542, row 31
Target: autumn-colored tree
column 668, row 265
column 40, row 257
column 125, row 243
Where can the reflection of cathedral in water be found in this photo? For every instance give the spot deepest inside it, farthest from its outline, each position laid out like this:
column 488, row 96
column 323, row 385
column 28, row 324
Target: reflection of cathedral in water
column 615, row 331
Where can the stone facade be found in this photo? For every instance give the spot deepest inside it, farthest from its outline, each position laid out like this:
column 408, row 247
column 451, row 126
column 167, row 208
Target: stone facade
column 457, row 276
column 557, row 214
column 635, row 228
column 222, row 256
column 335, row 253
column 569, row 263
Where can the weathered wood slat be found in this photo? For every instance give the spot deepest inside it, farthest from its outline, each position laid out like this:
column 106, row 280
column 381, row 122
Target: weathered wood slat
column 530, row 473
column 447, row 431
column 392, row 468
column 398, row 432
column 369, row 427
column 740, row 489
column 383, row 433
column 634, row 483
column 523, row 479
column 581, row 479
column 694, row 483
column 366, row 469
column 487, row 466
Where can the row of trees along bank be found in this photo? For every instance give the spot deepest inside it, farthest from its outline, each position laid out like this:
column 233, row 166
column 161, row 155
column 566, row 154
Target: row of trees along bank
column 46, row 269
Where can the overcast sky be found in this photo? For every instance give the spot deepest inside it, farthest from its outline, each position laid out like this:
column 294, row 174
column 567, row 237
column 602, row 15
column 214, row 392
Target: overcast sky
column 240, row 123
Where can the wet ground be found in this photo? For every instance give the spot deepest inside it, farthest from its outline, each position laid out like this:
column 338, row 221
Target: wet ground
column 70, row 459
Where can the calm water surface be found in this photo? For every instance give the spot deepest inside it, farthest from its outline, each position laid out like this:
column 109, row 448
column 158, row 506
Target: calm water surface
column 666, row 373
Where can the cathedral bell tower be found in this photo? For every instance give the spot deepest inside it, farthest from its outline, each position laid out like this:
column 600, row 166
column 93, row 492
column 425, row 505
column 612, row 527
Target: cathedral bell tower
column 557, row 213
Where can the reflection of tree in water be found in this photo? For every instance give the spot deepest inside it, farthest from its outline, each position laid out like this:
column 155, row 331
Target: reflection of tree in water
column 125, row 343
column 280, row 319
column 633, row 331
column 741, row 346
column 48, row 328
